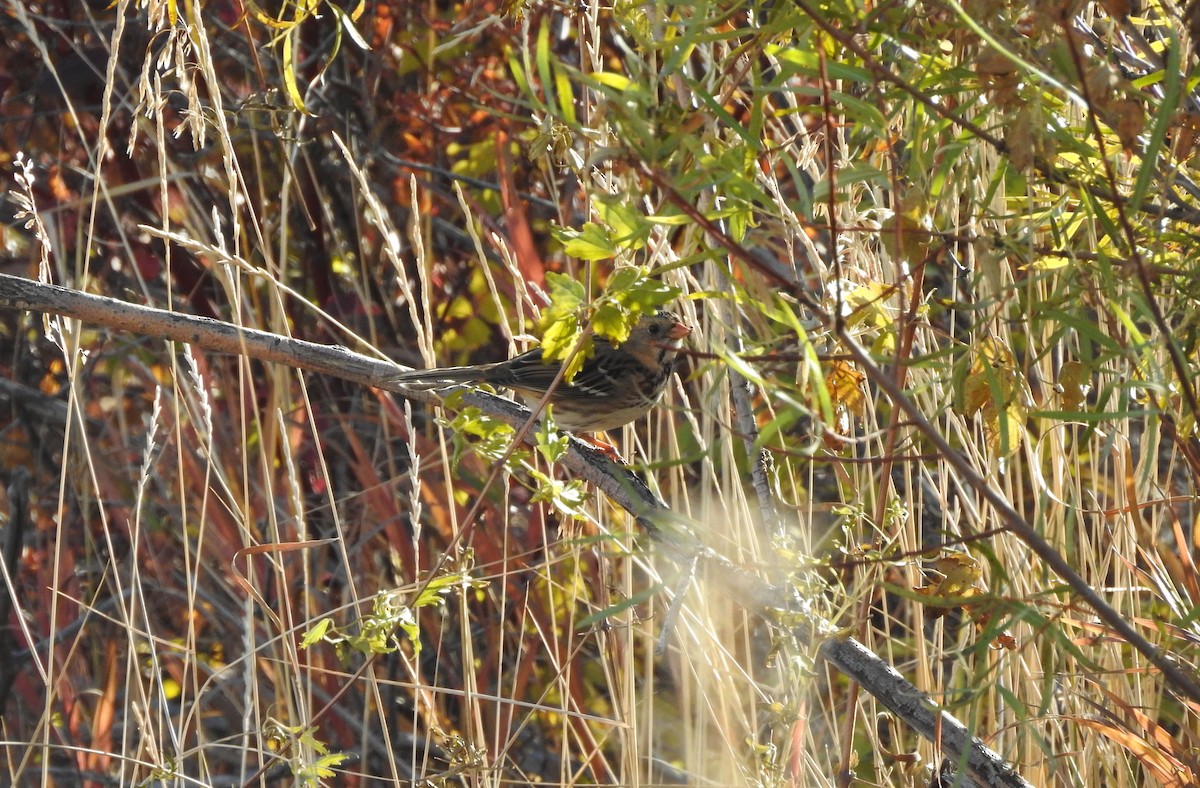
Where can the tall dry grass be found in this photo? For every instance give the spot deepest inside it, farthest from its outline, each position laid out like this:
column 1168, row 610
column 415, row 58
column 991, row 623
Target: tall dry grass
column 222, row 571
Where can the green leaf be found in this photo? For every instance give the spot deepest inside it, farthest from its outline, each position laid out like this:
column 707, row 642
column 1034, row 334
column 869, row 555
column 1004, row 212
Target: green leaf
column 644, row 295
column 855, row 107
column 560, row 321
column 543, row 57
column 551, row 444
column 612, row 321
column 317, row 633
column 323, row 767
column 629, row 228
column 671, row 217
column 567, row 497
column 806, row 61
column 590, row 243
column 854, row 173
column 625, row 278
column 614, row 610
column 559, row 336
column 435, row 589
column 1172, row 92
column 407, row 623
column 565, row 292
column 566, row 96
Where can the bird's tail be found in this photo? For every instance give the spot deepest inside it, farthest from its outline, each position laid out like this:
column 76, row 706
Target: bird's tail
column 439, row 376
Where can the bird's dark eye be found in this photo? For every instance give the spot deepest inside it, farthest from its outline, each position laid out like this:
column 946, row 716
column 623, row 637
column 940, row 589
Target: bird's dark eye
column 655, row 329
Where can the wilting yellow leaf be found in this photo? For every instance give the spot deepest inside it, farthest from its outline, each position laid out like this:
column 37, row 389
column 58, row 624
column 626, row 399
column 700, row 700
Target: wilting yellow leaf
column 904, row 239
column 958, row 575
column 1049, row 262
column 1074, row 383
column 996, row 389
column 845, row 386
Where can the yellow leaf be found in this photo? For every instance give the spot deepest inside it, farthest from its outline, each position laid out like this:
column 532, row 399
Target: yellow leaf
column 996, row 390
column 845, row 385
column 904, row 238
column 291, row 87
column 1074, row 383
column 958, row 576
column 1048, row 262
column 612, row 79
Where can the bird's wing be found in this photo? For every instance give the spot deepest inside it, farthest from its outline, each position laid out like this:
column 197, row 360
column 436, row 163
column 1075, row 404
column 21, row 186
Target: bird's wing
column 526, row 372
column 603, row 376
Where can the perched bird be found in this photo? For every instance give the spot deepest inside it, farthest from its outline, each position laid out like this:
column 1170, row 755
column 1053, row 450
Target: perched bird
column 617, row 385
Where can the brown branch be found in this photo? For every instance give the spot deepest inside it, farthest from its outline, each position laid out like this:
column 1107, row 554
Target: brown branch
column 623, row 486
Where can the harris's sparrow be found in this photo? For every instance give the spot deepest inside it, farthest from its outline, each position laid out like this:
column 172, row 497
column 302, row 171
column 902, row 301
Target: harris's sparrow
column 617, row 385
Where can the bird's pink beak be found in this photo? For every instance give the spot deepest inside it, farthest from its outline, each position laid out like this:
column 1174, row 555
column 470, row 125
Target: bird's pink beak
column 679, row 331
